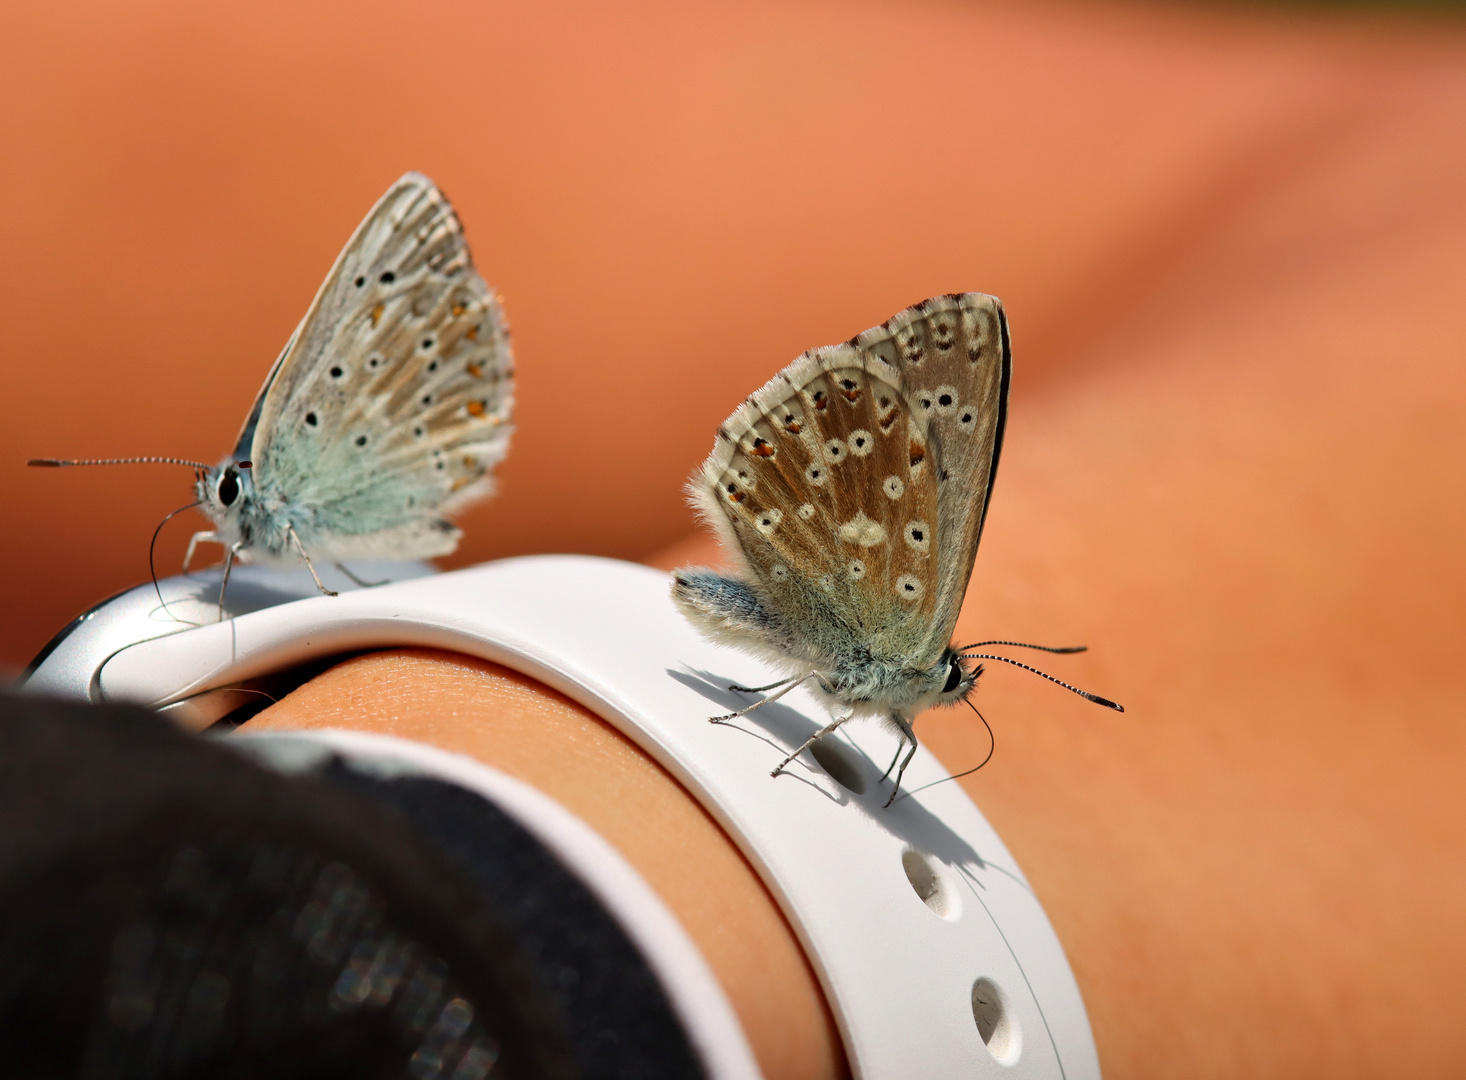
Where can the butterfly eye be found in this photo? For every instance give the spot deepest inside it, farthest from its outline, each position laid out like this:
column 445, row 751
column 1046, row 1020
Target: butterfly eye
column 228, row 488
column 954, row 676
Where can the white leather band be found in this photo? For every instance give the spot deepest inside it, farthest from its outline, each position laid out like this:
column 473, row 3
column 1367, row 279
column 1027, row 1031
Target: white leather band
column 935, row 955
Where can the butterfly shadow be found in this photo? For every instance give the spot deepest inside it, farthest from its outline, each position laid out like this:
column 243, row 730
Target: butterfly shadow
column 857, row 776
column 781, row 726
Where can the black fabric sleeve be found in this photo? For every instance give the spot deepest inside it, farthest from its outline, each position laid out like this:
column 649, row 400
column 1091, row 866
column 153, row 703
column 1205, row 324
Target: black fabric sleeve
column 171, row 909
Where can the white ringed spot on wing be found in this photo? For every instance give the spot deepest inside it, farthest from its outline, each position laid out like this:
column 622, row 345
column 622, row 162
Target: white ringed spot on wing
column 860, row 442
column 834, row 451
column 967, row 421
column 944, row 400
column 768, row 521
column 918, row 535
column 806, row 511
column 779, row 572
column 908, row 587
column 815, row 474
column 856, row 569
column 893, row 487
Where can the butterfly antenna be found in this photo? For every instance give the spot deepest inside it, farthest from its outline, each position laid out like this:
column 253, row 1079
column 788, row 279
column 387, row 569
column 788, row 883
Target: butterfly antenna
column 57, row 463
column 1085, row 694
column 152, row 566
column 992, row 745
column 1025, row 645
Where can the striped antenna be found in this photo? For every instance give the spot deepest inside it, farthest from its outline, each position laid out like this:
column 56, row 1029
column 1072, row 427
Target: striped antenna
column 1025, row 645
column 57, row 463
column 1085, row 694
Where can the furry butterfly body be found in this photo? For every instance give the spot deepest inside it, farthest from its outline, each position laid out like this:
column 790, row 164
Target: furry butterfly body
column 386, row 411
column 852, row 490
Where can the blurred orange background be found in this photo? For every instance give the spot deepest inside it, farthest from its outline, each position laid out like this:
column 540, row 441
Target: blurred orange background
column 1232, row 246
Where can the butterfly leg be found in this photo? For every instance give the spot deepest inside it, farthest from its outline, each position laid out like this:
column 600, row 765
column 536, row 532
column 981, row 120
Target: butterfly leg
column 761, row 689
column 363, row 584
column 759, row 704
column 228, row 566
column 900, row 746
column 908, row 735
column 308, row 564
column 816, row 737
column 199, row 538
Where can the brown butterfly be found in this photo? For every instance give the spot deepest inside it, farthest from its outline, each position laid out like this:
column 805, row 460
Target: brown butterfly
column 852, row 489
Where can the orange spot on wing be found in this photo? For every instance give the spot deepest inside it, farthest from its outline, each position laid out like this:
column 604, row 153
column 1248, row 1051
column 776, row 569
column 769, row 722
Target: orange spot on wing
column 475, row 370
column 761, row 448
column 918, row 454
column 458, row 309
column 736, row 496
column 472, row 334
column 377, row 314
column 477, row 408
column 792, row 427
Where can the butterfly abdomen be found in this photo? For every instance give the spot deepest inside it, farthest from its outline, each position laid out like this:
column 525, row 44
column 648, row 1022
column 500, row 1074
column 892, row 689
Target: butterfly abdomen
column 727, row 609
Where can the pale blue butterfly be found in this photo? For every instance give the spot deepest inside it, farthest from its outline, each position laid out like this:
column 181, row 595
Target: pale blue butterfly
column 384, row 414
column 851, row 490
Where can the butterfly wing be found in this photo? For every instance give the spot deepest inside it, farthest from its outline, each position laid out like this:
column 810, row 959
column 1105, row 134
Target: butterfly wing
column 954, row 358
column 825, row 483
column 391, row 404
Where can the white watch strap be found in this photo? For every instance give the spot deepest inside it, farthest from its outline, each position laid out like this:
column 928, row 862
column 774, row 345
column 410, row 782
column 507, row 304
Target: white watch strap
column 935, row 955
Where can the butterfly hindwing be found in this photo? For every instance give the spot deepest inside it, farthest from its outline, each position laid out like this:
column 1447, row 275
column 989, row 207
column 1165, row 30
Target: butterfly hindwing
column 825, row 481
column 953, row 355
column 392, row 403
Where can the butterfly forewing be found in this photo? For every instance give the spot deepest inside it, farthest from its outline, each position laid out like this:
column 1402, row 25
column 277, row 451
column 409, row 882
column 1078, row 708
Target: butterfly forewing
column 953, row 356
column 826, row 480
column 392, row 403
